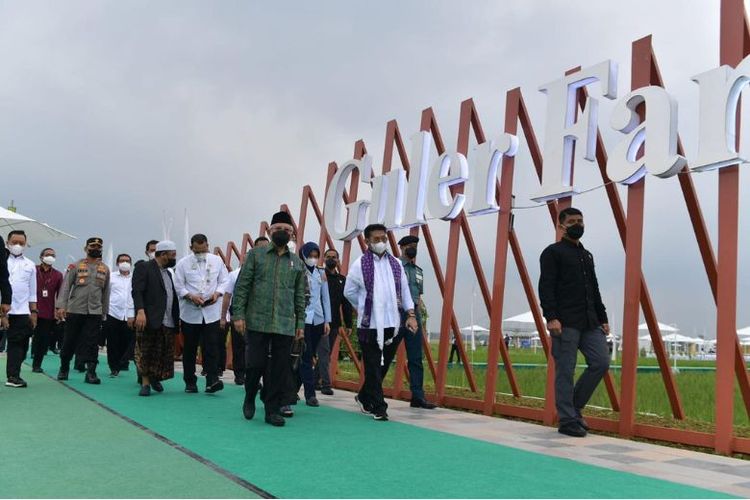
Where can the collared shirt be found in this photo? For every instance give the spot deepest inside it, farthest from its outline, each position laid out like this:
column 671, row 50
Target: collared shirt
column 202, row 277
column 416, row 279
column 22, row 273
column 121, row 296
column 568, row 288
column 85, row 288
column 341, row 309
column 231, row 283
column 385, row 311
column 48, row 284
column 270, row 292
column 169, row 290
column 318, row 311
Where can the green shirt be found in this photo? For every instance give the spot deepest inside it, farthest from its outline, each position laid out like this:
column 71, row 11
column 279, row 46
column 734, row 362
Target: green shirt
column 270, row 292
column 416, row 281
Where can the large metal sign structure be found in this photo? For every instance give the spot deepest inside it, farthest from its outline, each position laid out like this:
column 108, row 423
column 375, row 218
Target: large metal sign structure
column 720, row 265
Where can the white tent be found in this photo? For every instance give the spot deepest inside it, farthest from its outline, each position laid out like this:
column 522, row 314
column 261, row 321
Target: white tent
column 662, row 327
column 473, row 329
column 522, row 325
column 744, row 332
column 37, row 233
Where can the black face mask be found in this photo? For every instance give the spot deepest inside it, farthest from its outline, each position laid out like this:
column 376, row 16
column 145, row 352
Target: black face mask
column 94, row 254
column 575, row 231
column 330, row 264
column 280, row 238
column 410, row 252
column 171, row 262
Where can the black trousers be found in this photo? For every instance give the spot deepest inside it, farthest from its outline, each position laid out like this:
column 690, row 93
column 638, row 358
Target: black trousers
column 223, row 349
column 19, row 332
column 238, row 353
column 207, row 336
column 56, row 336
column 454, row 350
column 40, row 343
column 268, row 356
column 371, row 393
column 120, row 343
column 82, row 339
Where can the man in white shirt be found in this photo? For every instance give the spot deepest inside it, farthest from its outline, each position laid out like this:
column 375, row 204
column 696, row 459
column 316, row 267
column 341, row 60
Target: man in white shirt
column 201, row 279
column 378, row 287
column 118, row 327
column 21, row 320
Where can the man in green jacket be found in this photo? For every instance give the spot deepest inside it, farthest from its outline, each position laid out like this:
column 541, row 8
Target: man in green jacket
column 269, row 306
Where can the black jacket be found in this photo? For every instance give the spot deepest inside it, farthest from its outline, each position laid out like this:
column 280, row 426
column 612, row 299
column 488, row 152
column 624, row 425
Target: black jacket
column 339, row 305
column 6, row 292
column 149, row 294
column 568, row 288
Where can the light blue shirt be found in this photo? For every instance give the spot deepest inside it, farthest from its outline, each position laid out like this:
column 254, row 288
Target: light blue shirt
column 318, row 311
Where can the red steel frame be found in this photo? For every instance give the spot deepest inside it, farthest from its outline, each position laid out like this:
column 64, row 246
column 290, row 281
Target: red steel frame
column 721, row 273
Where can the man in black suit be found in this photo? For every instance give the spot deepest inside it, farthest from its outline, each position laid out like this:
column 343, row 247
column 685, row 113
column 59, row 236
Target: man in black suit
column 157, row 318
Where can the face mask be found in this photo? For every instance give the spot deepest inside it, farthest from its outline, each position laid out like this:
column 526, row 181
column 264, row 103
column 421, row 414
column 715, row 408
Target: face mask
column 330, row 263
column 575, row 231
column 16, row 249
column 410, row 252
column 171, row 262
column 280, row 238
column 124, row 267
column 311, row 261
column 201, row 256
column 95, row 254
column 151, row 255
column 379, row 247
column 49, row 260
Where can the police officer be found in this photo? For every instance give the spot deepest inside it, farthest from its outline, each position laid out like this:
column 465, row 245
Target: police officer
column 413, row 340
column 83, row 303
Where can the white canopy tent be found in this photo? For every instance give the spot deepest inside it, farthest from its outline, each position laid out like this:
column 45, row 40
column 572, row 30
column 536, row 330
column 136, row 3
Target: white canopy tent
column 522, row 325
column 473, row 329
column 37, row 233
column 662, row 328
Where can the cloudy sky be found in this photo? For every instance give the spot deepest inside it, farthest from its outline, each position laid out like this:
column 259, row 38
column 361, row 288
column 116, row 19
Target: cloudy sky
column 113, row 114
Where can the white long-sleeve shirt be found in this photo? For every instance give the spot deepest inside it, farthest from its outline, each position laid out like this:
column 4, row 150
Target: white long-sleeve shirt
column 22, row 275
column 385, row 312
column 231, row 282
column 121, row 296
column 201, row 277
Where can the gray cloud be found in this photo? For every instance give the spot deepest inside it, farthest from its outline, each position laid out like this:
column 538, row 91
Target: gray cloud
column 114, row 113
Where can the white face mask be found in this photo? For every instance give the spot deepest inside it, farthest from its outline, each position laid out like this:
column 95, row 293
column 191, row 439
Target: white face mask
column 379, row 247
column 151, row 255
column 124, row 267
column 311, row 261
column 48, row 259
column 292, row 246
column 16, row 249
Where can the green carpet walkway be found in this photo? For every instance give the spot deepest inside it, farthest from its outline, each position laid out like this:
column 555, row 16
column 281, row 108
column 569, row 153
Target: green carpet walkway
column 56, row 444
column 322, row 452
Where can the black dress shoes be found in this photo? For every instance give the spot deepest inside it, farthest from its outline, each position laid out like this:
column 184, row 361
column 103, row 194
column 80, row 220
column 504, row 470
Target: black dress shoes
column 191, row 388
column 157, row 386
column 573, row 429
column 145, row 390
column 275, row 419
column 422, row 403
column 248, row 408
column 215, row 387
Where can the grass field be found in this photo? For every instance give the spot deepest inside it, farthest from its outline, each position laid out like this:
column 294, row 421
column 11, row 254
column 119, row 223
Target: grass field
column 696, row 388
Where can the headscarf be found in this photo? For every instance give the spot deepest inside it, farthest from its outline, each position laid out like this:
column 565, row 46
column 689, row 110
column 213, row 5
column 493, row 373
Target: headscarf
column 306, row 250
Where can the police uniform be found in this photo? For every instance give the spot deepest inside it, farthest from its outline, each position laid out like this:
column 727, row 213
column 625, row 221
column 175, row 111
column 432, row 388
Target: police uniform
column 85, row 298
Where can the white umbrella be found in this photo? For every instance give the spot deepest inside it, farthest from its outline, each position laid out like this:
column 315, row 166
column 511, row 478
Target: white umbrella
column 37, row 233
